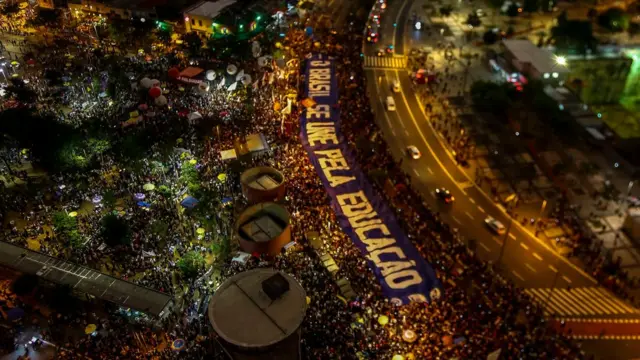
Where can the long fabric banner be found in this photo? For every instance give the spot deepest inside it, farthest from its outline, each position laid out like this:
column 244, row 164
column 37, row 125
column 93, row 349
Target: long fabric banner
column 363, row 215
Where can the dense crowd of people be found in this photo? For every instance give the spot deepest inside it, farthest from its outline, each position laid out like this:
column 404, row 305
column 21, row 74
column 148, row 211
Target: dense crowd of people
column 478, row 312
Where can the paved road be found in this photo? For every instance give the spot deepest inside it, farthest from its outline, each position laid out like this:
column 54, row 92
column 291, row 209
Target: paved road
column 527, row 261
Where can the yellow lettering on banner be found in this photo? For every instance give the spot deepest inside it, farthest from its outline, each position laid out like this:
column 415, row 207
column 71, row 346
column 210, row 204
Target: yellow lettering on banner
column 321, row 133
column 417, row 298
column 351, row 198
column 319, row 86
column 319, row 63
column 319, row 112
column 332, row 160
column 403, row 279
column 391, row 267
column 375, row 255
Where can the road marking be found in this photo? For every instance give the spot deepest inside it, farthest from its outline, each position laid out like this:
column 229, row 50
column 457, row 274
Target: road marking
column 469, row 215
column 481, row 209
column 424, row 139
column 432, row 194
column 496, row 240
column 429, row 170
column 485, row 247
column 456, row 220
column 530, row 267
column 517, row 275
column 524, row 246
column 402, row 124
column 416, row 172
column 393, row 131
column 406, row 132
column 472, row 201
column 553, row 268
column 535, row 255
column 514, row 237
column 566, row 279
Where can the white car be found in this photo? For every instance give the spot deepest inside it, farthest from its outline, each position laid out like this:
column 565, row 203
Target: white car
column 495, row 225
column 414, row 152
column 391, row 104
column 395, row 86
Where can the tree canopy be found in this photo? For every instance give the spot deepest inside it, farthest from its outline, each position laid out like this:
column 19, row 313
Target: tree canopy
column 614, row 19
column 190, row 264
column 492, row 97
column 573, row 36
column 115, row 231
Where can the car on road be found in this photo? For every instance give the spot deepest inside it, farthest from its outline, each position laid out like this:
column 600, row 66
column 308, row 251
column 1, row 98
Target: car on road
column 414, row 152
column 445, row 195
column 391, row 104
column 495, row 225
column 395, row 86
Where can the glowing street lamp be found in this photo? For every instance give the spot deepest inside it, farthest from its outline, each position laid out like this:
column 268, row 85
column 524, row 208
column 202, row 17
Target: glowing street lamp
column 561, row 60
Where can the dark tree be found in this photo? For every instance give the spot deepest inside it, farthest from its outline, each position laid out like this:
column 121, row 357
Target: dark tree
column 530, row 6
column 25, row 284
column 513, row 10
column 614, row 19
column 474, row 20
column 115, row 231
column 490, row 37
column 446, row 10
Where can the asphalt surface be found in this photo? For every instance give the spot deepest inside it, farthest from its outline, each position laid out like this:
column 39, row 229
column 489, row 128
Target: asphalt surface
column 526, row 261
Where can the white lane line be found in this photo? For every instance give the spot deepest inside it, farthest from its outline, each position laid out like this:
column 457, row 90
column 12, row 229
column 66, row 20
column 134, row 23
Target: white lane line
column 481, row 210
column 416, row 172
column 485, row 247
column 429, row 170
column 402, row 124
column 524, row 246
column 553, row 268
column 469, row 215
column 535, row 255
column 406, row 132
column 530, row 267
column 393, row 131
column 513, row 237
column 517, row 275
column 566, row 279
column 496, row 240
column 472, row 201
column 456, row 220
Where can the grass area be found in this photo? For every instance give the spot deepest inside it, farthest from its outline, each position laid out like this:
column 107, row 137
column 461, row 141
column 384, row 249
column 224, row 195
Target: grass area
column 624, row 121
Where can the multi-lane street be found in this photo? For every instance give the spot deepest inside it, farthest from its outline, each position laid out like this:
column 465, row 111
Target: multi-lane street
column 525, row 260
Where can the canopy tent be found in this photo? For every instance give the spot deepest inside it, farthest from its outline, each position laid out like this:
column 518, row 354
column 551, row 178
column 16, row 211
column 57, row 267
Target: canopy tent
column 228, row 154
column 189, row 202
column 194, row 116
column 211, row 75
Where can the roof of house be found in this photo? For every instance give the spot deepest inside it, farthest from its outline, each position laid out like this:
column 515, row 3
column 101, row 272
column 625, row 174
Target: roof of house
column 541, row 59
column 209, row 9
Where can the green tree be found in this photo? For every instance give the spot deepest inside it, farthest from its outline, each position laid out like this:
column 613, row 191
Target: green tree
column 474, row 20
column 513, row 10
column 573, row 36
column 63, row 223
column 615, row 19
column 115, row 231
column 492, row 98
column 531, row 6
column 190, row 264
column 446, row 10
column 490, row 37
column 193, row 42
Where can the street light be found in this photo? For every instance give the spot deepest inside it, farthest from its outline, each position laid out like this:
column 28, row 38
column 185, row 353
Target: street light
column 561, row 60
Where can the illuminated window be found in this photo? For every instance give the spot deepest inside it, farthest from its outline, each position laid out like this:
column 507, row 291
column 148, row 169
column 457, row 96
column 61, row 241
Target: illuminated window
column 225, row 30
column 253, row 26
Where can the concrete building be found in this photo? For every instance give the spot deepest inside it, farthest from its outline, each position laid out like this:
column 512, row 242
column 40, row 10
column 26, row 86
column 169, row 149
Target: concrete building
column 534, row 62
column 263, row 228
column 257, row 314
column 200, row 17
column 263, row 183
column 124, row 9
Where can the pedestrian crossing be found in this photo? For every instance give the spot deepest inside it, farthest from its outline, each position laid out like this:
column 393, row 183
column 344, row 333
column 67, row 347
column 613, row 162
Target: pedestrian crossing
column 580, row 301
column 392, row 62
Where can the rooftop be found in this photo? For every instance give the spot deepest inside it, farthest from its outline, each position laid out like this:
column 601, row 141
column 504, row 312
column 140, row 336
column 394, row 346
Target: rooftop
column 83, row 279
column 264, row 182
column 541, row 59
column 209, row 9
column 244, row 315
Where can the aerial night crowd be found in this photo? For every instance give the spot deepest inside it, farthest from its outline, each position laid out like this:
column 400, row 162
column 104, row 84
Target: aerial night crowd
column 478, row 312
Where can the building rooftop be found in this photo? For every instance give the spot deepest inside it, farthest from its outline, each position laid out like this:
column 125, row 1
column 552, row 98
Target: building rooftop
column 244, row 315
column 83, row 279
column 541, row 59
column 264, row 182
column 209, row 9
column 262, row 229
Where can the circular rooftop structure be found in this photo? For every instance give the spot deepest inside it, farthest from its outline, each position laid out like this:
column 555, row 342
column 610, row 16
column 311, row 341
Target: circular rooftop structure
column 258, row 309
column 262, row 183
column 264, row 228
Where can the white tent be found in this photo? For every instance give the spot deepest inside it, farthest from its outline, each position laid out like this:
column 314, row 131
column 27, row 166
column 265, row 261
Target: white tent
column 146, row 83
column 232, row 69
column 155, row 83
column 211, row 75
column 232, row 87
column 193, row 117
column 161, row 100
column 203, row 87
column 264, row 61
column 221, row 84
column 240, row 75
column 246, row 80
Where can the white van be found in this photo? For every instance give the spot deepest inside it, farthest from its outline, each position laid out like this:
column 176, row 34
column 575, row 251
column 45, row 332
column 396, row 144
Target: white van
column 395, row 86
column 391, row 104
